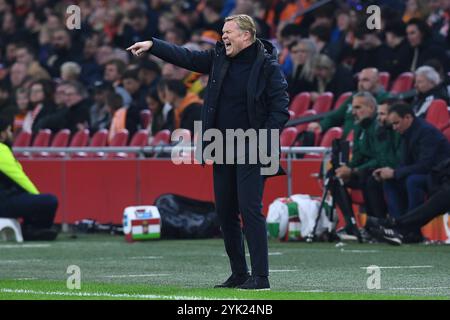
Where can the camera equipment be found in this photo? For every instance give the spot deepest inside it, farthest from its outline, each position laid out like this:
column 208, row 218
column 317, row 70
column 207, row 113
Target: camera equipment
column 340, row 151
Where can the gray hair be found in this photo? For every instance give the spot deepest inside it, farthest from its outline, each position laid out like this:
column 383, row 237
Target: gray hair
column 430, row 73
column 72, row 67
column 368, row 97
column 245, row 23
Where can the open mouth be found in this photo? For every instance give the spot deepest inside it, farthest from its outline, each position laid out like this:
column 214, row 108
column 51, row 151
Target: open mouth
column 227, row 45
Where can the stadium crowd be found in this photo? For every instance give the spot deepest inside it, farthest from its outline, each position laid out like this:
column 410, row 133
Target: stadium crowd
column 388, row 89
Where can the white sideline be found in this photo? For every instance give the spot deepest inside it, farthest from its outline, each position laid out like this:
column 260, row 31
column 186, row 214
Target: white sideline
column 107, row 295
column 137, row 275
column 400, row 267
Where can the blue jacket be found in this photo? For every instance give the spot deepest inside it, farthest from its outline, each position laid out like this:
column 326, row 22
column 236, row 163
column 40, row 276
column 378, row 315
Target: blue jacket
column 267, row 99
column 423, row 146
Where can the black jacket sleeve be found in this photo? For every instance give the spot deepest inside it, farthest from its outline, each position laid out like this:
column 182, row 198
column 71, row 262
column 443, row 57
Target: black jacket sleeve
column 197, row 61
column 277, row 99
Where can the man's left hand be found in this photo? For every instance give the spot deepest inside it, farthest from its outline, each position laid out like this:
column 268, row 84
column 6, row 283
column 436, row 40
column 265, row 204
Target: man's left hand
column 386, row 173
column 343, row 173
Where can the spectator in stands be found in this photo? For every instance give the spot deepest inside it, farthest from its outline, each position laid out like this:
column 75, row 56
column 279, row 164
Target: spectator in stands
column 186, row 106
column 368, row 80
column 137, row 29
column 286, row 35
column 330, row 78
column 22, row 106
column 321, row 35
column 423, row 46
column 119, row 116
column 149, row 74
column 429, row 87
column 41, row 104
column 212, row 20
column 76, row 114
column 303, row 54
column 18, row 75
column 19, row 198
column 424, row 146
column 91, row 71
column 368, row 50
column 61, row 51
column 100, row 115
column 416, row 9
column 70, row 71
column 114, row 70
column 399, row 50
column 26, row 55
column 155, row 105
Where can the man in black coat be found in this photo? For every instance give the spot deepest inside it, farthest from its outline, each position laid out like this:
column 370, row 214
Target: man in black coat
column 246, row 90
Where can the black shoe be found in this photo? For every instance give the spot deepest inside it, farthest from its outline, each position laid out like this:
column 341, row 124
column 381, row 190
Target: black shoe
column 391, row 236
column 234, row 281
column 255, row 283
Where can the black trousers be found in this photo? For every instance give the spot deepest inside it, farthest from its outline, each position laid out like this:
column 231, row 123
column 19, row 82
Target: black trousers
column 37, row 210
column 238, row 188
column 373, row 194
column 437, row 204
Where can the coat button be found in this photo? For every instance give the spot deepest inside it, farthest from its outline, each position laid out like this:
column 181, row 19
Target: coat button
column 214, row 81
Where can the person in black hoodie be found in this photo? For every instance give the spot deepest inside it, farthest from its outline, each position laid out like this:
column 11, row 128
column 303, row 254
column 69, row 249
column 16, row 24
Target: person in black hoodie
column 246, row 89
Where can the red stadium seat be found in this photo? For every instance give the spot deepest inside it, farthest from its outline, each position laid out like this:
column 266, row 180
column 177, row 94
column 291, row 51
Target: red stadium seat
column 161, row 137
column 384, row 79
column 342, row 98
column 145, row 117
column 300, row 103
column 328, row 137
column 120, row 139
column 22, row 140
column 437, row 114
column 404, row 82
column 288, row 137
column 323, row 102
column 291, row 114
column 60, row 140
column 139, row 139
column 43, row 138
column 80, row 139
column 302, row 127
column 99, row 139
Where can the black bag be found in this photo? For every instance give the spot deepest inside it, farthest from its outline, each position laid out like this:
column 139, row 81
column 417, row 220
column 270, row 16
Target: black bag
column 185, row 218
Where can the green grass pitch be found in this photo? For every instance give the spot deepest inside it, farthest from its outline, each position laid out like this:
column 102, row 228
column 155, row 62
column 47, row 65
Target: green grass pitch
column 188, row 269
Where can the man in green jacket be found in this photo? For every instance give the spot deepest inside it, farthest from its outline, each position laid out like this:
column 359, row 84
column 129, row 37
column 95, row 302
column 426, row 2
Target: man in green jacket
column 374, row 144
column 19, row 197
column 368, row 80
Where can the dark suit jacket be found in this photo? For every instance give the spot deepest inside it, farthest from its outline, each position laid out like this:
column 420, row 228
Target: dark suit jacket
column 267, row 101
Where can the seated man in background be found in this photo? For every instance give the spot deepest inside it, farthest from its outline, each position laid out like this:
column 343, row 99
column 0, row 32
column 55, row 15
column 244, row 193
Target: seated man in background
column 374, row 146
column 423, row 146
column 393, row 229
column 19, row 198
